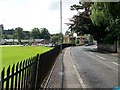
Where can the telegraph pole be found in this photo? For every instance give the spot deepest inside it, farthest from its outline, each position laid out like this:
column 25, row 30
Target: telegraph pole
column 61, row 24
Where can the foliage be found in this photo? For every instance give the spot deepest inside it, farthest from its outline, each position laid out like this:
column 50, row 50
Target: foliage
column 41, row 33
column 105, row 16
column 100, row 19
column 114, row 8
column 57, row 38
column 100, row 13
column 19, row 33
column 27, row 34
column 67, row 33
column 78, row 41
column 81, row 23
column 4, row 36
column 45, row 33
column 35, row 33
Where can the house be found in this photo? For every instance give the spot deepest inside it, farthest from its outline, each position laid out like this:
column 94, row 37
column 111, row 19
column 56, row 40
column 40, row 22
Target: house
column 40, row 41
column 69, row 39
column 78, row 40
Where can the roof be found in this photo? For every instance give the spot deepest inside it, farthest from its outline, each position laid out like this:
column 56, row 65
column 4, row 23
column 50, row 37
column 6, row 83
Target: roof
column 30, row 40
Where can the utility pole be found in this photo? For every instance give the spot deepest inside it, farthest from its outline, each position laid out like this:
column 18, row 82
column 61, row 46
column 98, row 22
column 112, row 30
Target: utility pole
column 61, row 24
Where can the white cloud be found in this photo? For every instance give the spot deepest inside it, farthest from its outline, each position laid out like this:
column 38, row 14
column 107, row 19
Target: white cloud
column 35, row 13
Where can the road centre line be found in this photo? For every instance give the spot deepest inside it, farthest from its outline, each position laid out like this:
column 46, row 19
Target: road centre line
column 100, row 57
column 91, row 53
column 77, row 73
column 88, row 54
column 95, row 55
column 84, row 52
column 115, row 63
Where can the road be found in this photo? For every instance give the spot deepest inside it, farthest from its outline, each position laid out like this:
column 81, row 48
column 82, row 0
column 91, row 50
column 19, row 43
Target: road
column 98, row 70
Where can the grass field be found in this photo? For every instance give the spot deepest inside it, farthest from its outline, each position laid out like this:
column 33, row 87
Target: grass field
column 11, row 55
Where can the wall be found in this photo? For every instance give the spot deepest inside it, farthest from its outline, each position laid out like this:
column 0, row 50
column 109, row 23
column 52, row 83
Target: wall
column 107, row 47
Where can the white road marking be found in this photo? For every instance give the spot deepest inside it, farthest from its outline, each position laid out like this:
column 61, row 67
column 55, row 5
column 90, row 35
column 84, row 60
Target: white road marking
column 91, row 53
column 78, row 74
column 100, row 57
column 116, row 63
column 88, row 54
column 84, row 52
column 95, row 55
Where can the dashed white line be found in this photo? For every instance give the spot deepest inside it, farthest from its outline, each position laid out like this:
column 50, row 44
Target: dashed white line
column 78, row 74
column 88, row 54
column 91, row 53
column 116, row 63
column 79, row 78
column 100, row 57
column 95, row 55
column 84, row 52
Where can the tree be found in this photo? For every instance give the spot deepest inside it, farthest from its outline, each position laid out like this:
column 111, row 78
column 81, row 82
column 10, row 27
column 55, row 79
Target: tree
column 56, row 38
column 67, row 33
column 19, row 33
column 81, row 23
column 106, row 19
column 4, row 36
column 27, row 34
column 35, row 33
column 44, row 33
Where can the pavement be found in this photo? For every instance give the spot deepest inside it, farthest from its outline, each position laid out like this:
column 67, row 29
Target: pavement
column 64, row 73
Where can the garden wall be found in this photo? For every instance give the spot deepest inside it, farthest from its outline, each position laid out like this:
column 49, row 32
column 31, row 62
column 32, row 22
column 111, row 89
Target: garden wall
column 107, row 47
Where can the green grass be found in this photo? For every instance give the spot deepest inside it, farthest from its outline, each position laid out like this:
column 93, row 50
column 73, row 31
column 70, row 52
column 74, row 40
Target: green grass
column 11, row 55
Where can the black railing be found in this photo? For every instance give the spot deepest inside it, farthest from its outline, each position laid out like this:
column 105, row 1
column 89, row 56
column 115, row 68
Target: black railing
column 30, row 73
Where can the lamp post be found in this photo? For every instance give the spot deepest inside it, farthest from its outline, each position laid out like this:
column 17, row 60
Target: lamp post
column 61, row 24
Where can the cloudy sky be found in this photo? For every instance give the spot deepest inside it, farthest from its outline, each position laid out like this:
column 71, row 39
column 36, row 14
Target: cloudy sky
column 35, row 13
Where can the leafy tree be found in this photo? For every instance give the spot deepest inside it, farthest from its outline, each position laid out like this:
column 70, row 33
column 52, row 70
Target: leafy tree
column 35, row 33
column 101, row 19
column 114, row 8
column 81, row 23
column 106, row 19
column 67, row 33
column 45, row 33
column 27, row 34
column 100, row 13
column 4, row 36
column 56, row 38
column 19, row 33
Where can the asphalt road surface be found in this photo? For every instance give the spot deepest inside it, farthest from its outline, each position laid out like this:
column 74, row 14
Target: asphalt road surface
column 98, row 70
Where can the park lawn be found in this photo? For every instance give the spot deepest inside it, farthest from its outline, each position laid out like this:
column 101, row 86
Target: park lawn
column 14, row 54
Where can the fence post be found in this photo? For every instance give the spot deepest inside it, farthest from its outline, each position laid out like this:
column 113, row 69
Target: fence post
column 34, row 72
column 37, row 66
column 0, row 84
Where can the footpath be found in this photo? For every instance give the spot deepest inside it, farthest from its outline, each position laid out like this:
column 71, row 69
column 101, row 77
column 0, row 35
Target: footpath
column 64, row 73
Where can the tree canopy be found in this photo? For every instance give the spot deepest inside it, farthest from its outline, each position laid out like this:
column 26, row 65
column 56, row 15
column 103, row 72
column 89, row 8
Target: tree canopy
column 105, row 16
column 19, row 34
column 100, row 19
column 45, row 33
column 81, row 23
column 35, row 33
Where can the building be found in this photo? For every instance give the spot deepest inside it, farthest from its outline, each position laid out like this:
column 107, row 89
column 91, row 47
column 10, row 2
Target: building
column 29, row 41
column 78, row 40
column 69, row 39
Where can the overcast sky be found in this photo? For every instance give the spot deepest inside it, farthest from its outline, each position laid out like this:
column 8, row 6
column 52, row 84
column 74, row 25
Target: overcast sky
column 35, row 13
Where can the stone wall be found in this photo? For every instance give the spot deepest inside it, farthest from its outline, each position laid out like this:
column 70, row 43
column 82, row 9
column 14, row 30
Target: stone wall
column 107, row 47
